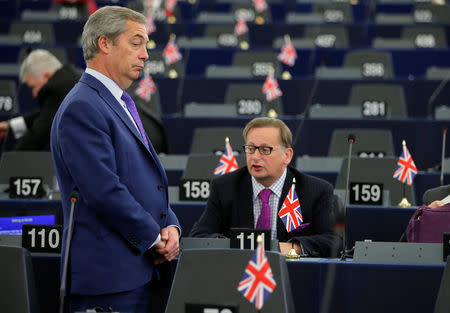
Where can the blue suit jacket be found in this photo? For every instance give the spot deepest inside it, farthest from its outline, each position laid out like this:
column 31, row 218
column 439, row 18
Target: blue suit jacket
column 123, row 191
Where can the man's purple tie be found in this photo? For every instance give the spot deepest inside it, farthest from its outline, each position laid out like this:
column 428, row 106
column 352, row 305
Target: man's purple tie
column 134, row 113
column 264, row 217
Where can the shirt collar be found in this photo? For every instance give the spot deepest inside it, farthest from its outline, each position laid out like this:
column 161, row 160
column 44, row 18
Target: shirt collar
column 275, row 187
column 108, row 82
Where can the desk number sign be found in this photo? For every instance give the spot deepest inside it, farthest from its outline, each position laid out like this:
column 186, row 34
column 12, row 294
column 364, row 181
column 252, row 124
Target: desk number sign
column 194, row 189
column 42, row 238
column 366, row 193
column 245, row 238
column 204, row 308
column 26, row 187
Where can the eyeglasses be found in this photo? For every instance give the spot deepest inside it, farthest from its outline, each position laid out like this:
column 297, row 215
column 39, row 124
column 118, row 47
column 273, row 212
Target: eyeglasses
column 250, row 149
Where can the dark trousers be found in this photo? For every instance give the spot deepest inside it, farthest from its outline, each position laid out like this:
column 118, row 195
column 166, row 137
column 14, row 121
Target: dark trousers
column 149, row 298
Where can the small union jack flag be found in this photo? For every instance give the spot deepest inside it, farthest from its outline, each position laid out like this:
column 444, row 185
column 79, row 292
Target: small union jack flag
column 150, row 26
column 257, row 283
column 406, row 169
column 171, row 54
column 227, row 162
column 270, row 88
column 260, row 5
column 146, row 88
column 241, row 27
column 291, row 212
column 288, row 55
column 170, row 7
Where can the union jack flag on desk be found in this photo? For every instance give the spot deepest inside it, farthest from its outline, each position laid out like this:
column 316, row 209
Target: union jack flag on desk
column 291, row 213
column 146, row 88
column 227, row 162
column 257, row 283
column 270, row 88
column 406, row 169
column 171, row 54
column 288, row 55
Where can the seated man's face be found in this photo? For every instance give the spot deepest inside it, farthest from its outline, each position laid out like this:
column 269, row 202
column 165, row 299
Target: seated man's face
column 36, row 82
column 267, row 168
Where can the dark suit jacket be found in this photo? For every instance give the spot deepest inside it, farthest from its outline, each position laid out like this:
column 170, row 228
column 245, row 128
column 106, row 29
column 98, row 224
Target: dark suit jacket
column 123, row 191
column 49, row 98
column 230, row 205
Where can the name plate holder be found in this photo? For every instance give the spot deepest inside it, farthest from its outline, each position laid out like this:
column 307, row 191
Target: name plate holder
column 398, row 252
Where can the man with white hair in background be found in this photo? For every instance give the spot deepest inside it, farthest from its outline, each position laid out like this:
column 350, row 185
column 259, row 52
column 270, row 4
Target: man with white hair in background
column 49, row 81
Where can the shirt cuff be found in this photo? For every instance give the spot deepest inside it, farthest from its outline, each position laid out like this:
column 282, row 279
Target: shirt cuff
column 158, row 239
column 18, row 126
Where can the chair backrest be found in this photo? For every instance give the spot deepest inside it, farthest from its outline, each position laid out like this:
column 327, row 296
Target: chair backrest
column 251, row 95
column 379, row 100
column 153, row 105
column 33, row 33
column 228, row 266
column 368, row 143
column 224, row 35
column 248, row 12
column 442, row 304
column 434, row 194
column 328, row 36
column 261, row 63
column 59, row 52
column 211, row 140
column 430, row 13
column 203, row 166
column 156, row 67
column 339, row 12
column 209, row 110
column 27, row 164
column 426, row 37
column 18, row 290
column 379, row 171
column 372, row 64
column 8, row 96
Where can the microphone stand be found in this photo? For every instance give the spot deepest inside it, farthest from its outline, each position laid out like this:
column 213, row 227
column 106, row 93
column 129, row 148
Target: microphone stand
column 62, row 290
column 444, row 136
column 351, row 140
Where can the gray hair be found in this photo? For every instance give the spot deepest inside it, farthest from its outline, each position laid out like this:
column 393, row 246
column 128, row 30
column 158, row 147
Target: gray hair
column 37, row 63
column 109, row 21
column 260, row 122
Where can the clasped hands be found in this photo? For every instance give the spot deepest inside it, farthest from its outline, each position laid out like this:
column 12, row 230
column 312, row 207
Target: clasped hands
column 168, row 247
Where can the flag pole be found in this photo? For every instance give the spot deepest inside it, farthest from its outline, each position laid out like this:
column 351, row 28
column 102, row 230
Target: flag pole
column 404, row 203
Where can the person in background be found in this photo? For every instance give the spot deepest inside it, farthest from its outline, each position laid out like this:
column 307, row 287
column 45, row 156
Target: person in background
column 49, row 81
column 124, row 231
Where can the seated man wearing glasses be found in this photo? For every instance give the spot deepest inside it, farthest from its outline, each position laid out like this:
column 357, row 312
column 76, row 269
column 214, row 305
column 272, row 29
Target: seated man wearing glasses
column 252, row 196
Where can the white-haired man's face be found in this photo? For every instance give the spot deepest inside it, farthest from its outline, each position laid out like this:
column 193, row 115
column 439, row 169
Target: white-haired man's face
column 36, row 82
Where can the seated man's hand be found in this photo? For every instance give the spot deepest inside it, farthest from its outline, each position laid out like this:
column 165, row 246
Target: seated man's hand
column 168, row 248
column 285, row 247
column 436, row 204
column 4, row 128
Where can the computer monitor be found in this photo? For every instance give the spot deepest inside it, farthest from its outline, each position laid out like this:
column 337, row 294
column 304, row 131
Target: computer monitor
column 11, row 221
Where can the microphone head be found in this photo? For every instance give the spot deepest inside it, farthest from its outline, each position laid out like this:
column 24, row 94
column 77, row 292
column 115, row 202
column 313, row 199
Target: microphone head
column 351, row 138
column 74, row 195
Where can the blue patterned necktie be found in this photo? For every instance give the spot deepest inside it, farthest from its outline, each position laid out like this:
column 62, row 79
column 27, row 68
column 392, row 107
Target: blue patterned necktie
column 134, row 113
column 264, row 217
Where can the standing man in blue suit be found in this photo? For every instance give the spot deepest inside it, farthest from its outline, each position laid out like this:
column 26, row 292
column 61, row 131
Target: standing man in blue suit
column 124, row 230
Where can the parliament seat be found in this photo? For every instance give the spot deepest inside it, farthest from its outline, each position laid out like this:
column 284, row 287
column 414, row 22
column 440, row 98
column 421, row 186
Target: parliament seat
column 368, row 143
column 376, row 171
column 211, row 140
column 379, row 100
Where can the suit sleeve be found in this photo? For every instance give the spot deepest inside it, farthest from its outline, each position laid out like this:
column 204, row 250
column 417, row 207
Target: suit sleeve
column 323, row 240
column 38, row 126
column 89, row 155
column 210, row 222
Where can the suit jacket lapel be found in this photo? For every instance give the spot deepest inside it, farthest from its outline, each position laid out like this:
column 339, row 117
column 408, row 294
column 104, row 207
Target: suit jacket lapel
column 117, row 108
column 245, row 202
column 282, row 233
